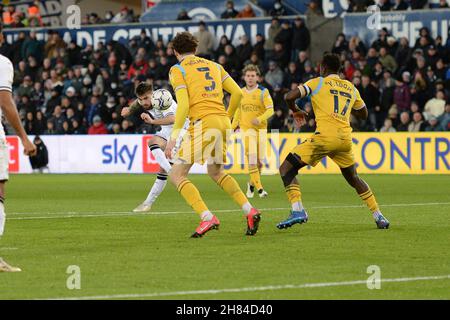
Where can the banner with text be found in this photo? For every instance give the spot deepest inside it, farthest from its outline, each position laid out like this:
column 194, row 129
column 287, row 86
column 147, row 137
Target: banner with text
column 399, row 23
column 405, row 153
column 91, row 35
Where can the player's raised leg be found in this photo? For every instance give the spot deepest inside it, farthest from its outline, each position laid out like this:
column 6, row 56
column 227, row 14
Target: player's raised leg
column 230, row 186
column 366, row 195
column 190, row 193
column 156, row 145
column 288, row 171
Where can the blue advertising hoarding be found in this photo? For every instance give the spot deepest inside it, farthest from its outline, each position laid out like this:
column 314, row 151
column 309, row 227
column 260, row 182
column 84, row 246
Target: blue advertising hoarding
column 90, row 35
column 399, row 23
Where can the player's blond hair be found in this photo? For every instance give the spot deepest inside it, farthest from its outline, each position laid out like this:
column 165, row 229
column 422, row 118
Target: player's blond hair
column 251, row 67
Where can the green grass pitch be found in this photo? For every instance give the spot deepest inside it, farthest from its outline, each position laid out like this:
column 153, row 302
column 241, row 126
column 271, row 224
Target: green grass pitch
column 54, row 221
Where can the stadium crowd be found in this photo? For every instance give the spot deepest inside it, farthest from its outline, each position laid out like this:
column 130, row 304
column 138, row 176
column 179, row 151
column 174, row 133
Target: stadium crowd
column 62, row 88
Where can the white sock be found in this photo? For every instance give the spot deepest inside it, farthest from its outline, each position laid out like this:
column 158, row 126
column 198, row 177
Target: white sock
column 158, row 187
column 2, row 218
column 297, row 206
column 160, row 157
column 247, row 207
column 206, row 216
column 376, row 214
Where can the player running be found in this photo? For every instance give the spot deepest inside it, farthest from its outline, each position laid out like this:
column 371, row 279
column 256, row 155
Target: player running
column 198, row 84
column 164, row 117
column 333, row 100
column 251, row 117
column 8, row 106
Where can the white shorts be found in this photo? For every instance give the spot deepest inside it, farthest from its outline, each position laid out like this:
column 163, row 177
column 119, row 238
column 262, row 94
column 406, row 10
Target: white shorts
column 166, row 131
column 4, row 160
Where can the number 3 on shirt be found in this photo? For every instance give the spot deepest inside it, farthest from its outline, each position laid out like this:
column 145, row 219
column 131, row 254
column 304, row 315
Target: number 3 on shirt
column 208, row 77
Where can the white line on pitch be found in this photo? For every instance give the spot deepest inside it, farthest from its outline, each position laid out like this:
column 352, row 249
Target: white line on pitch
column 65, row 215
column 249, row 289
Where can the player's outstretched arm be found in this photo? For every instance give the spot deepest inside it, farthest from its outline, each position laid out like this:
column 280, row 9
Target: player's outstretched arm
column 132, row 108
column 235, row 91
column 11, row 114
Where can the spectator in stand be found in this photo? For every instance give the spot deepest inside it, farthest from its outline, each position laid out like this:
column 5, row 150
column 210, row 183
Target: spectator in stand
column 444, row 120
column 108, row 16
column 300, row 37
column 340, row 45
column 17, row 21
column 277, row 9
column 183, row 16
column 404, row 122
column 98, row 127
column 433, row 125
column 285, row 37
column 280, row 55
column 417, row 124
column 205, row 41
column 418, row 4
column 278, row 122
column 255, row 61
column 8, row 15
column 387, row 60
column 273, row 31
column 124, row 16
column 274, row 76
column 387, row 127
column 402, row 96
column 443, row 4
column 435, row 107
column 371, row 97
column 400, row 5
column 385, row 5
column 32, row 47
column 403, row 53
column 230, row 12
column 247, row 12
column 314, row 8
column 139, row 67
column 224, row 41
column 243, row 51
column 258, row 48
column 50, row 128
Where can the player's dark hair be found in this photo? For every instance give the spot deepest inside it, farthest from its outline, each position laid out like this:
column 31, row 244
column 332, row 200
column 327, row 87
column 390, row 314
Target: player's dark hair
column 331, row 62
column 142, row 88
column 185, row 42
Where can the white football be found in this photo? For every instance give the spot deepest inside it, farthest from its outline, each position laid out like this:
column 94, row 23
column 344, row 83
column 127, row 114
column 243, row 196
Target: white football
column 161, row 99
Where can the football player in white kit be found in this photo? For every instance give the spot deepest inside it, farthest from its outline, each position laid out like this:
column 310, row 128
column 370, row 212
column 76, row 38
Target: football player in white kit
column 9, row 108
column 164, row 117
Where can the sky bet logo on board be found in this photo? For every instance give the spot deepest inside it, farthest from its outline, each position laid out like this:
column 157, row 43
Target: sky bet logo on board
column 117, row 153
column 13, row 146
column 149, row 164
